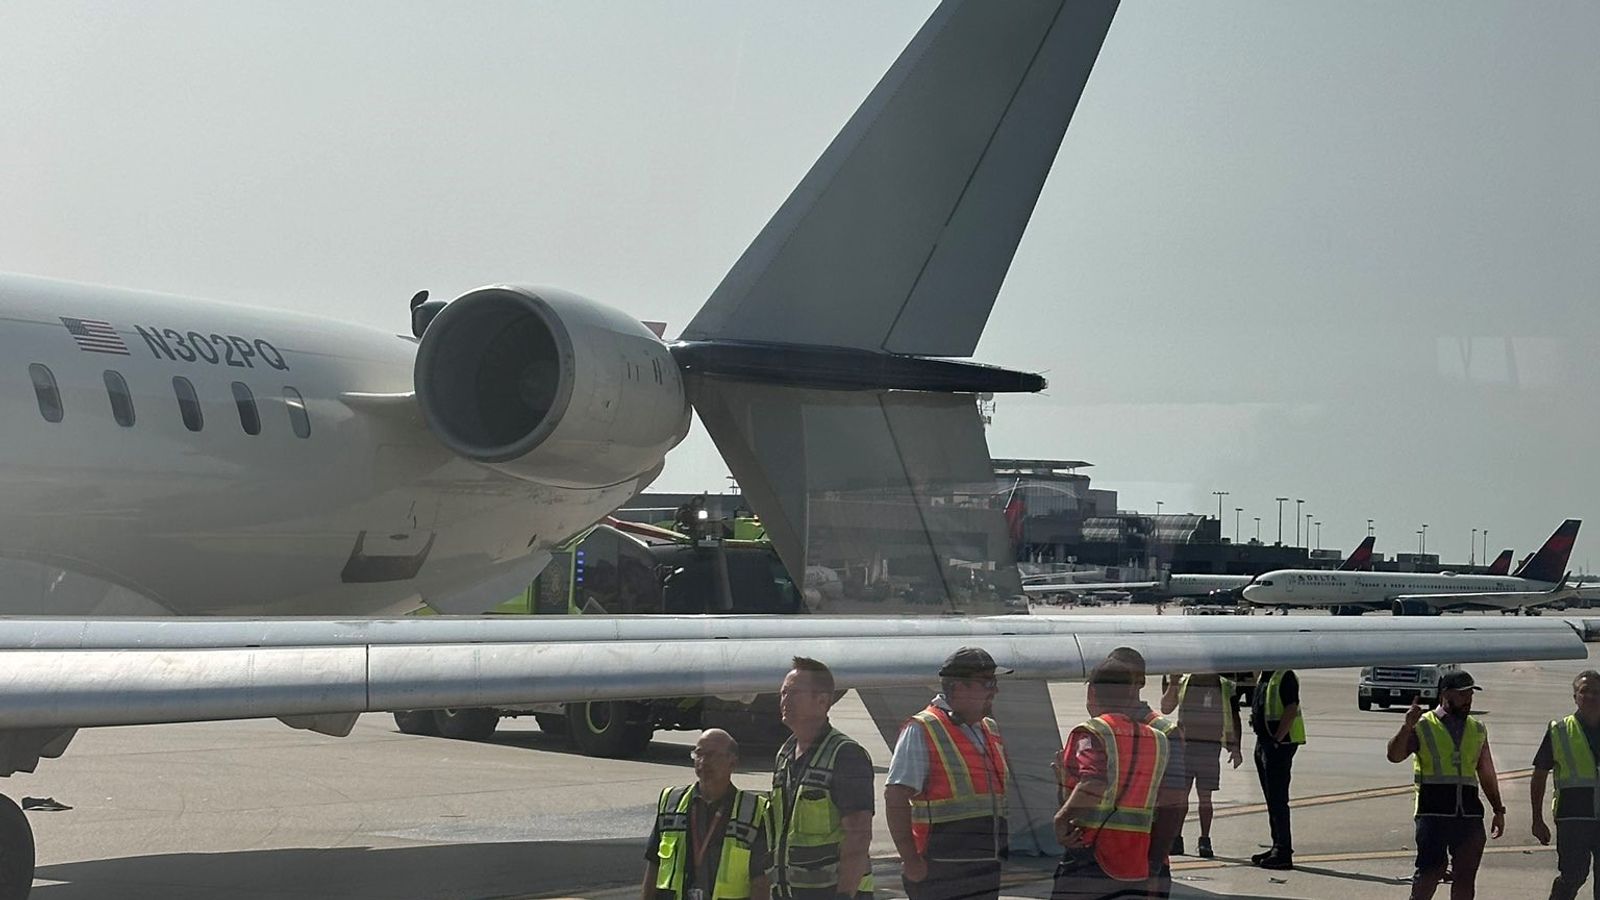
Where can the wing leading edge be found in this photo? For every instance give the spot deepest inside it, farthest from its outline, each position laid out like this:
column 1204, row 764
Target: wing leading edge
column 81, row 674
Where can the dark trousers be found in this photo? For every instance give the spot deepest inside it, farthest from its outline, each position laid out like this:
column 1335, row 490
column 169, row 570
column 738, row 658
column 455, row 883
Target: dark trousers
column 1273, row 764
column 956, row 881
column 1577, row 851
column 1081, row 878
column 1446, row 840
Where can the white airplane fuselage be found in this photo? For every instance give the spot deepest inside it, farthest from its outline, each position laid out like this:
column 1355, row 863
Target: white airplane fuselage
column 367, row 513
column 1320, row 588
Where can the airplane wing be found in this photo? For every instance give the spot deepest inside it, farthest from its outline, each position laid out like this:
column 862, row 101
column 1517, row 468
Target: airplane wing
column 63, row 674
column 1488, row 599
column 1073, row 587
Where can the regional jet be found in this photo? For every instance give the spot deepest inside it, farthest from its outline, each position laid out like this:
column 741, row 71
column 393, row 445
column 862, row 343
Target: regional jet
column 232, row 465
column 1182, row 585
column 1540, row 581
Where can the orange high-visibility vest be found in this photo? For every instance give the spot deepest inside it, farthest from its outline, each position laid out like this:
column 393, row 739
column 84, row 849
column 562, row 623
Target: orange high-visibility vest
column 1119, row 827
column 963, row 785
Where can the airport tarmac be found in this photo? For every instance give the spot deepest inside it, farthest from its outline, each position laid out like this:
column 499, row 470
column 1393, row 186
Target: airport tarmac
column 257, row 810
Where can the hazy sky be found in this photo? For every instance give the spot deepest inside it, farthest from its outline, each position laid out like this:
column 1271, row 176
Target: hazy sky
column 1349, row 252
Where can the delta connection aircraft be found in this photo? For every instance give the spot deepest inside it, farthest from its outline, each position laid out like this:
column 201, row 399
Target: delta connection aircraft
column 1541, row 579
column 220, row 461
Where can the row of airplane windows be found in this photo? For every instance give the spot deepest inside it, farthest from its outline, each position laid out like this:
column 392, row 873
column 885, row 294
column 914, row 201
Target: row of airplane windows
column 51, row 407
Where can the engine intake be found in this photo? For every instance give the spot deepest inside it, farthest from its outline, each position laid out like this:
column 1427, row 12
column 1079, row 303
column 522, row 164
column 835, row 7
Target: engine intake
column 549, row 386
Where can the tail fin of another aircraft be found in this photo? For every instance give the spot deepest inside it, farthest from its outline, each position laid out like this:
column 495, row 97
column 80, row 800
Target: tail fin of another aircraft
column 1360, row 559
column 1501, row 564
column 1550, row 562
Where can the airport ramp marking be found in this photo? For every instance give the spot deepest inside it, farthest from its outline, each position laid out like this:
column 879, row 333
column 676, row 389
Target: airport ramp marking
column 1348, row 796
column 1302, row 858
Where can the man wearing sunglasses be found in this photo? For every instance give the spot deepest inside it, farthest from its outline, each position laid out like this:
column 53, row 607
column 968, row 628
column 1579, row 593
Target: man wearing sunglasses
column 946, row 792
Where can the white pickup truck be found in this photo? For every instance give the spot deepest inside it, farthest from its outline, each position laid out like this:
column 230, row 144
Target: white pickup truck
column 1388, row 685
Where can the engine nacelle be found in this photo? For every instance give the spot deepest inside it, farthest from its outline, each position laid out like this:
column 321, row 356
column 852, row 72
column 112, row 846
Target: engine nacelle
column 549, row 386
column 1412, row 608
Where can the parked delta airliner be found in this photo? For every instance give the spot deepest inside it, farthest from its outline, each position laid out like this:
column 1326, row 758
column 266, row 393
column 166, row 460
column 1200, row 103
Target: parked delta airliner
column 1539, row 581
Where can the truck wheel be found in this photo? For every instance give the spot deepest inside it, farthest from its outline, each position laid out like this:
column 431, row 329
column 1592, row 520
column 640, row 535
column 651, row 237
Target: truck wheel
column 16, row 851
column 466, row 724
column 1364, row 703
column 614, row 729
column 416, row 721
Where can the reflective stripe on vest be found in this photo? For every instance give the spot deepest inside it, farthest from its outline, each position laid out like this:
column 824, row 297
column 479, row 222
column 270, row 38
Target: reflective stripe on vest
column 1442, row 763
column 1576, row 770
column 674, row 853
column 1119, row 826
column 808, row 837
column 1272, row 709
column 1226, row 687
column 963, row 783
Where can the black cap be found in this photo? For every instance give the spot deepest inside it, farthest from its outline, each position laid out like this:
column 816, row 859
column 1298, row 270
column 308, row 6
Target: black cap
column 1458, row 680
column 970, row 662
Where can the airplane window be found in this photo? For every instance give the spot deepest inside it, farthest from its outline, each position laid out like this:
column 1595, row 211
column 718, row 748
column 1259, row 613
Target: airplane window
column 297, row 412
column 249, row 418
column 188, row 404
column 44, row 388
column 121, row 399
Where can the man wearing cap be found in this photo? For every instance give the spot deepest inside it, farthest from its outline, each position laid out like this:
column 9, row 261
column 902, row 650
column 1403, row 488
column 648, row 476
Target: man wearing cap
column 1172, row 800
column 946, row 793
column 1451, row 760
column 1571, row 746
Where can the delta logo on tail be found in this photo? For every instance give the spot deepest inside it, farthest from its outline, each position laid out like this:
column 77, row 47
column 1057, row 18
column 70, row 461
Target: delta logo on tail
column 1501, row 564
column 1549, row 564
column 1360, row 559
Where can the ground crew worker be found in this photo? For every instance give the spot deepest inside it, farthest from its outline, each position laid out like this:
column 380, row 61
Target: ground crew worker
column 1109, row 773
column 1172, row 799
column 1451, row 759
column 821, row 796
column 946, row 794
column 1280, row 730
column 1207, row 709
column 710, row 838
column 1571, row 746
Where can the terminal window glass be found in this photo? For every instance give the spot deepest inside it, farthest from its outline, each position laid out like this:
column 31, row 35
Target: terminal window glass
column 188, row 403
column 45, row 390
column 121, row 398
column 298, row 418
column 249, row 416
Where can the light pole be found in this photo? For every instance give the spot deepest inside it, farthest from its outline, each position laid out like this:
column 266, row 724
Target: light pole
column 1424, row 538
column 1472, row 552
column 1297, row 522
column 1281, row 501
column 1158, row 507
column 1420, row 545
column 1308, row 529
column 1486, row 546
column 1258, row 529
column 1219, row 495
column 1369, row 528
column 1319, row 535
column 1236, row 511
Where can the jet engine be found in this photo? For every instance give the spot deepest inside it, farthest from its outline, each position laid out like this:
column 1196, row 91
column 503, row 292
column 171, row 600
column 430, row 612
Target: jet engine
column 1412, row 608
column 549, row 386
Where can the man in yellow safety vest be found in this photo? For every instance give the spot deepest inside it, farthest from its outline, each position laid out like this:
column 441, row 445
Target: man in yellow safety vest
column 1451, row 762
column 1207, row 708
column 1280, row 730
column 710, row 838
column 1570, row 748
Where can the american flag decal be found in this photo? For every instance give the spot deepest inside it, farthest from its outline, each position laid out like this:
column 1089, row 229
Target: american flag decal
column 95, row 336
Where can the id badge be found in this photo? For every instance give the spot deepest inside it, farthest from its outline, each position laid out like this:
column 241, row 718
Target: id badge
column 696, row 894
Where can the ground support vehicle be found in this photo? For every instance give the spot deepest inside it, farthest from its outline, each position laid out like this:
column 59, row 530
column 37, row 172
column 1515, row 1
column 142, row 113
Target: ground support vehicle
column 621, row 568
column 1385, row 686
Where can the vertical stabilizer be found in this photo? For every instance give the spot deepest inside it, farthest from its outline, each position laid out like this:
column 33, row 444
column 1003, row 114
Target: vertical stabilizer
column 1501, row 564
column 1360, row 559
column 1549, row 564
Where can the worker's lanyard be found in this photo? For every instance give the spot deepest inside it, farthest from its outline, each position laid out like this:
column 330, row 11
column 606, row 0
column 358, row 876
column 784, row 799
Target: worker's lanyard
column 703, row 842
